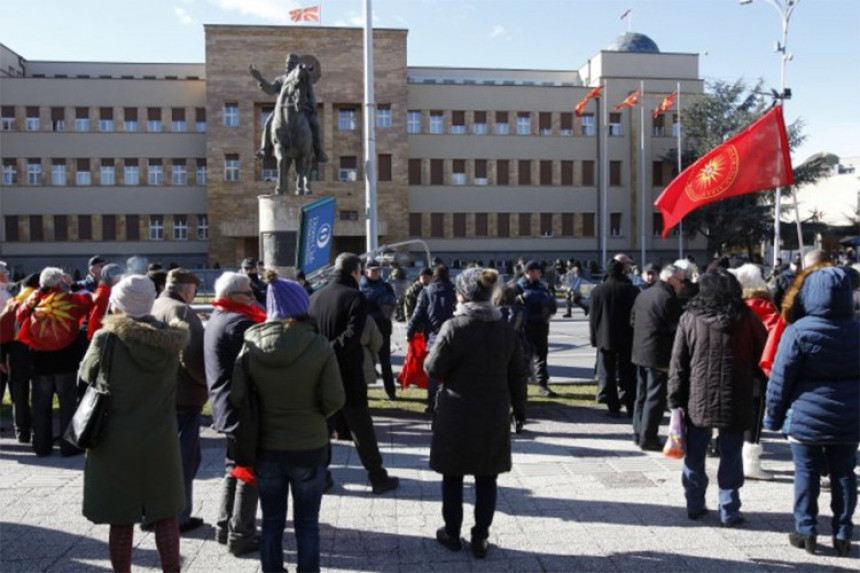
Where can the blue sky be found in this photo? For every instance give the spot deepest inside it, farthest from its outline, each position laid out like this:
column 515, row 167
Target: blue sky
column 734, row 41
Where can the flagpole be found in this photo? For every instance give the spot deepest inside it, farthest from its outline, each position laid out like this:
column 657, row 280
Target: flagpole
column 604, row 176
column 681, row 222
column 369, row 132
column 642, row 233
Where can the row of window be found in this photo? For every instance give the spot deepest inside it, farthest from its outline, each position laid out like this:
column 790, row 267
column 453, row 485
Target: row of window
column 103, row 118
column 108, row 171
column 111, row 227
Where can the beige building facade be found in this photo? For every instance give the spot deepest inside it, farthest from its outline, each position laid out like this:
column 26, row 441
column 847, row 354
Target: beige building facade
column 160, row 159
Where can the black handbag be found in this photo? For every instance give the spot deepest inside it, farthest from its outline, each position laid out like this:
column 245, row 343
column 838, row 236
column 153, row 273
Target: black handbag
column 87, row 425
column 246, row 435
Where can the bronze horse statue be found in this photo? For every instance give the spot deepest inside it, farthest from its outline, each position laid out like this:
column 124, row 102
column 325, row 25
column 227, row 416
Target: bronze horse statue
column 291, row 134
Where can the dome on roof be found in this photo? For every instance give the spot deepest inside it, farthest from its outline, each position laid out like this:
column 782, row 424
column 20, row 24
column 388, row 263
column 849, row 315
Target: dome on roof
column 634, row 42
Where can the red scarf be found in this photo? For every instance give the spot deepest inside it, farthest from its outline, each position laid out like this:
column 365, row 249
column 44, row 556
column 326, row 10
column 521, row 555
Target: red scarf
column 252, row 311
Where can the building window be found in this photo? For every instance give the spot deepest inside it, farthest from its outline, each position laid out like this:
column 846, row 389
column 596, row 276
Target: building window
column 501, row 126
column 156, row 228
column 614, row 125
column 177, row 120
column 82, row 119
column 348, row 215
column 269, row 171
column 545, row 123
column 36, row 230
column 546, row 225
column 179, row 172
column 12, row 234
column 231, row 168
column 615, row 173
column 231, row 114
column 202, row 227
column 413, row 121
column 615, row 224
column 200, row 119
column 437, row 172
column 58, row 172
column 415, row 225
column 567, row 173
column 566, row 124
column 459, row 224
column 58, row 119
column 676, row 127
column 458, row 172
column 524, row 172
column 61, row 228
column 524, row 123
column 657, row 173
column 129, row 120
column 180, row 227
column 657, row 224
column 437, row 122
column 567, row 224
column 132, row 227
column 200, row 172
column 415, row 172
column 108, row 227
column 106, row 123
column 479, row 123
column 10, row 171
column 7, row 118
column 503, row 224
column 383, row 167
column 83, row 176
column 658, row 126
column 482, row 226
column 34, row 172
column 33, row 122
column 347, row 119
column 503, row 172
column 437, row 224
column 383, row 116
column 588, row 173
column 155, row 172
column 458, row 122
column 481, row 172
column 588, row 224
column 546, row 172
column 348, row 169
column 588, row 124
column 153, row 119
column 525, row 224
column 107, row 172
column 85, row 227
column 130, row 172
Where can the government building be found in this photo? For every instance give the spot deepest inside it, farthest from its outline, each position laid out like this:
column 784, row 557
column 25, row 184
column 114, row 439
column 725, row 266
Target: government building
column 160, row 160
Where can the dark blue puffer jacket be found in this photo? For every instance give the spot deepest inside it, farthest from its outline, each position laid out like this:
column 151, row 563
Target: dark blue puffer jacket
column 436, row 304
column 814, row 390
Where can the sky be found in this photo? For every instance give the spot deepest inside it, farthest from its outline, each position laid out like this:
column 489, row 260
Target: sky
column 734, row 41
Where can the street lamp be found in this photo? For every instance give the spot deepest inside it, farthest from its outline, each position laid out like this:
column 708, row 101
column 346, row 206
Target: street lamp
column 784, row 8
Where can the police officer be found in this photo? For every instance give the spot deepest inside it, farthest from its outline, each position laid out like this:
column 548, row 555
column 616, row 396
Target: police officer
column 539, row 306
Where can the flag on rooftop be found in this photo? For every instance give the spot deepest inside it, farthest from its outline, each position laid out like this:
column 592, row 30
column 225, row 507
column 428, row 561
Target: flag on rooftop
column 665, row 105
column 629, row 101
column 311, row 14
column 591, row 95
column 757, row 159
column 626, row 13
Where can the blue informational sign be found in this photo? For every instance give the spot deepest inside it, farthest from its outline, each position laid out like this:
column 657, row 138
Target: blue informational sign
column 317, row 233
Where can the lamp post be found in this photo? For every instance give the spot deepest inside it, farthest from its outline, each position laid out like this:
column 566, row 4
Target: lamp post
column 784, row 8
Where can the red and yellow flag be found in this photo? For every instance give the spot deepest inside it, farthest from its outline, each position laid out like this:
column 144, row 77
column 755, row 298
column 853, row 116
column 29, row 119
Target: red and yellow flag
column 665, row 105
column 311, row 14
column 629, row 101
column 591, row 95
column 754, row 160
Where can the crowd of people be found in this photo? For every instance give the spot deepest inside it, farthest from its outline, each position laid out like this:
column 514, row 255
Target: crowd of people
column 285, row 368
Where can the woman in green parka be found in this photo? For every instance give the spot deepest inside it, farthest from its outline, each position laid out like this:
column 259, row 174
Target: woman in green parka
column 135, row 471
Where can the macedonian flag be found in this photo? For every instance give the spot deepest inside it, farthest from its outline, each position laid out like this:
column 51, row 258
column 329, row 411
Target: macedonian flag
column 629, row 101
column 311, row 14
column 591, row 95
column 665, row 105
column 756, row 159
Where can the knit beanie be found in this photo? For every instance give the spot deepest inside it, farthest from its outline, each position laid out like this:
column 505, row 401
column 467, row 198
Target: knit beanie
column 286, row 299
column 749, row 275
column 133, row 295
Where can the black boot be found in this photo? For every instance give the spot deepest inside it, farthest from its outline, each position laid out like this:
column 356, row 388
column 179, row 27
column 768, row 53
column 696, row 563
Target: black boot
column 803, row 542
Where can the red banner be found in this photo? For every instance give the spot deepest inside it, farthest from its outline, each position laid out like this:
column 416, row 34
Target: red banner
column 591, row 95
column 665, row 105
column 629, row 101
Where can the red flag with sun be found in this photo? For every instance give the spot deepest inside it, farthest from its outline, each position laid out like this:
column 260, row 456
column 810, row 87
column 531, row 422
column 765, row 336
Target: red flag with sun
column 590, row 96
column 756, row 159
column 51, row 321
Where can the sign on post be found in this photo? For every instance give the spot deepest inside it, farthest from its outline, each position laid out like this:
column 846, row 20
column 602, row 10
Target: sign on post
column 316, row 230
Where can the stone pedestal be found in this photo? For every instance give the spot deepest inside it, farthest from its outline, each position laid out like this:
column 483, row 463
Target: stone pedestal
column 279, row 232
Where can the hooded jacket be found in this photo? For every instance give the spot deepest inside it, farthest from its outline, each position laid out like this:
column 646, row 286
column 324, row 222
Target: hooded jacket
column 814, row 389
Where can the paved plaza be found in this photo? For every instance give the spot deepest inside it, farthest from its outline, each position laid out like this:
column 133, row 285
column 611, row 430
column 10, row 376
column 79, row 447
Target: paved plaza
column 581, row 497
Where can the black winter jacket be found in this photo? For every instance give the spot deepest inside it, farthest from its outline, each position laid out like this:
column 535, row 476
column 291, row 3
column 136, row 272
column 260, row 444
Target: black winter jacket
column 654, row 319
column 713, row 364
column 609, row 316
column 222, row 341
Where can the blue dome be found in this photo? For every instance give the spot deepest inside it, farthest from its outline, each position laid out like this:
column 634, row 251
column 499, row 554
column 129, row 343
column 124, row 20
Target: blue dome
column 634, row 42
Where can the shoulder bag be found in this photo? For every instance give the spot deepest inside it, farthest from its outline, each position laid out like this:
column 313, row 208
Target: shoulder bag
column 87, row 425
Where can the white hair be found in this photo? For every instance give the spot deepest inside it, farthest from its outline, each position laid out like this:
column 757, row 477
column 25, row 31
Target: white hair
column 670, row 271
column 50, row 277
column 685, row 266
column 231, row 282
column 749, row 275
column 136, row 265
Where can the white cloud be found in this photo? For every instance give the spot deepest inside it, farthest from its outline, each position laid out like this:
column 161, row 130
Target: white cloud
column 183, row 15
column 499, row 31
column 276, row 11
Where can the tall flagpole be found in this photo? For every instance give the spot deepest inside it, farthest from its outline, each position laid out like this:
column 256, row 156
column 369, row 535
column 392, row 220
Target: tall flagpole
column 369, row 132
column 642, row 232
column 604, row 175
column 681, row 223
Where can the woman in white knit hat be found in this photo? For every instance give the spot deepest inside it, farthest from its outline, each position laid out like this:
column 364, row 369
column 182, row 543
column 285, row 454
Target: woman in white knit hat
column 136, row 472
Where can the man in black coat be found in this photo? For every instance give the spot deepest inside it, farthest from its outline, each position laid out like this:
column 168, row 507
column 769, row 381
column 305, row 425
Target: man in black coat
column 612, row 335
column 539, row 306
column 654, row 319
column 340, row 312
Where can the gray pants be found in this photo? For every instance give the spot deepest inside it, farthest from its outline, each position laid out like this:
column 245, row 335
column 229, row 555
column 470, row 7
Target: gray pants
column 237, row 513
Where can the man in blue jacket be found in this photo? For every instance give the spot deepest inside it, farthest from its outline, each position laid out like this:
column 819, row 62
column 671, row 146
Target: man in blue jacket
column 382, row 302
column 539, row 306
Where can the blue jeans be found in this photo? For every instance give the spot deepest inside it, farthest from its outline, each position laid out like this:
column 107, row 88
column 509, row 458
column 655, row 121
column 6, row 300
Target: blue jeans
column 189, row 450
column 278, row 472
column 808, row 463
column 730, row 475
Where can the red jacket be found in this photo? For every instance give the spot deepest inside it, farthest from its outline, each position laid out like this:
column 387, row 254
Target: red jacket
column 51, row 320
column 765, row 310
column 101, row 298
